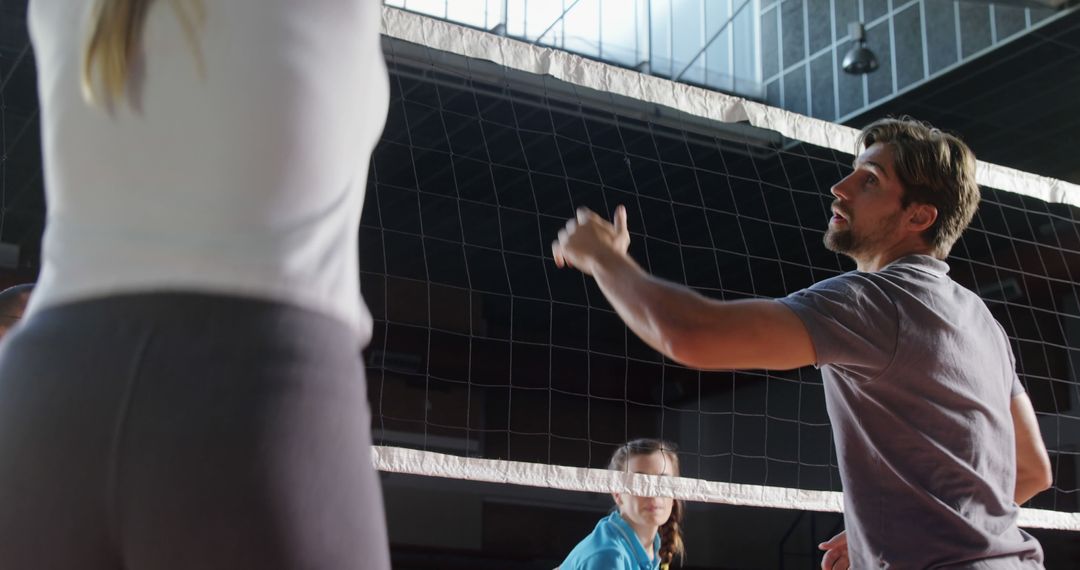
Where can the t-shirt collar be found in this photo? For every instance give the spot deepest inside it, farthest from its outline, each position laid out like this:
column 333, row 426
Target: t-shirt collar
column 922, row 261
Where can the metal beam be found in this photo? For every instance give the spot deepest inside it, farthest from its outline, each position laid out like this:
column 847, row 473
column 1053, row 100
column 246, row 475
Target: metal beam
column 1052, row 4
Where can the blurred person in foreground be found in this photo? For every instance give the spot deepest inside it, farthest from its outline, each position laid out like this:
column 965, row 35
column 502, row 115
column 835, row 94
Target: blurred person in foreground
column 186, row 389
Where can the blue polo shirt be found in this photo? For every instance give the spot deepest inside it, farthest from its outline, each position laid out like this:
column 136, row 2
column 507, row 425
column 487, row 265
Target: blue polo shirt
column 612, row 545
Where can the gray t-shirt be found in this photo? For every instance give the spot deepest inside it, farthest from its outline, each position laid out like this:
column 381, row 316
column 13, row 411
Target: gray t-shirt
column 918, row 381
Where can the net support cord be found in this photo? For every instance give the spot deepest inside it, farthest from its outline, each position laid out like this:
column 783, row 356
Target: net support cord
column 577, row 70
column 432, row 464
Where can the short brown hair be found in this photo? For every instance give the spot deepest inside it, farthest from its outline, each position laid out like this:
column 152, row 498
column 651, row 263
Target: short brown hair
column 935, row 168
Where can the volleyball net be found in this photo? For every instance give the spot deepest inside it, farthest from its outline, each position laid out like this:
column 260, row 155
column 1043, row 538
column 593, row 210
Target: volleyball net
column 489, row 364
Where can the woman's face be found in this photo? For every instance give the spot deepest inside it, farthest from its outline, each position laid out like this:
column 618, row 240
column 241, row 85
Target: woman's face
column 644, row 513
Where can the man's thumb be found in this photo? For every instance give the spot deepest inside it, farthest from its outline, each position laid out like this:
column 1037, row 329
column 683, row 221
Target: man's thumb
column 620, row 219
column 832, row 542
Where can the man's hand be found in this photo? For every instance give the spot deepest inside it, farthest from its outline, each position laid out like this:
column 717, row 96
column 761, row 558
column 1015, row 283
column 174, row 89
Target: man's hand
column 836, row 555
column 589, row 237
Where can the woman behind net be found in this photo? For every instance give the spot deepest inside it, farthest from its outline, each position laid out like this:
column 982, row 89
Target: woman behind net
column 641, row 533
column 187, row 389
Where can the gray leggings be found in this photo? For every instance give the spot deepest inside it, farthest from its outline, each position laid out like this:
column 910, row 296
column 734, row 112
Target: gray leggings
column 185, row 431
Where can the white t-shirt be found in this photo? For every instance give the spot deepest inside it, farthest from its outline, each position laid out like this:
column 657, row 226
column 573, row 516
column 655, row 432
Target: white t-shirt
column 236, row 164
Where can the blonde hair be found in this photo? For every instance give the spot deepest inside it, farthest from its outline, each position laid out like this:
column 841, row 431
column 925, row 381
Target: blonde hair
column 934, row 168
column 671, row 540
column 115, row 29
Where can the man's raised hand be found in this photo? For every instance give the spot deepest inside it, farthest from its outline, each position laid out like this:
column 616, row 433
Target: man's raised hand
column 588, row 238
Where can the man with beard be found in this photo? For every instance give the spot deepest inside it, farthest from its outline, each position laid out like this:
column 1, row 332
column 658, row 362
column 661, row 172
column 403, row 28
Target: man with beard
column 936, row 440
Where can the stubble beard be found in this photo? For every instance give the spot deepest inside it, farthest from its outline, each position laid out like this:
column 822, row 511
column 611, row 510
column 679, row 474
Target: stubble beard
column 845, row 242
column 840, row 240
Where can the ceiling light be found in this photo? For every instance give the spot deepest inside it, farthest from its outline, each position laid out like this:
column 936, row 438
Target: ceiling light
column 859, row 59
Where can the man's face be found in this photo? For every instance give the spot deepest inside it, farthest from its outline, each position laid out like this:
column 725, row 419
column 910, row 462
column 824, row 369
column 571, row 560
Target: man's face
column 867, row 209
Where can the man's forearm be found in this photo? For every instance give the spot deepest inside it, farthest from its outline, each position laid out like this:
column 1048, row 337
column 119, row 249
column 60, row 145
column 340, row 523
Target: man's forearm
column 656, row 310
column 1033, row 474
column 1027, row 487
column 673, row 319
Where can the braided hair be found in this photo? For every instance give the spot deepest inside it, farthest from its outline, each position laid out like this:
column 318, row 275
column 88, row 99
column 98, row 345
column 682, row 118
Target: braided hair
column 671, row 541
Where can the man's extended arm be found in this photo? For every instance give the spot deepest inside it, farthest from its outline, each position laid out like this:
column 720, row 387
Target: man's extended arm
column 683, row 325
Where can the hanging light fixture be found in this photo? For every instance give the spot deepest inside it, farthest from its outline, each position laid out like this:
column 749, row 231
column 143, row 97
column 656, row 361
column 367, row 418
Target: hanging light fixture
column 859, row 59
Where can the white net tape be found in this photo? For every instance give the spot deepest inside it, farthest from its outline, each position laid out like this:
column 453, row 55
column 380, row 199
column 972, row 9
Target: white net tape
column 428, row 463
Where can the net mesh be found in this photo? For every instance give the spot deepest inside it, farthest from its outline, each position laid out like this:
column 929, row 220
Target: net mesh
column 499, row 366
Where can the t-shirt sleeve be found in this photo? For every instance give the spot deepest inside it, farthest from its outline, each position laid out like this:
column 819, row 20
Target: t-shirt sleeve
column 1017, row 387
column 852, row 322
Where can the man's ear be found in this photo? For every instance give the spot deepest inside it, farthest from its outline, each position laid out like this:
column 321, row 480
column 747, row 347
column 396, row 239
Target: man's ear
column 921, row 216
column 618, row 499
